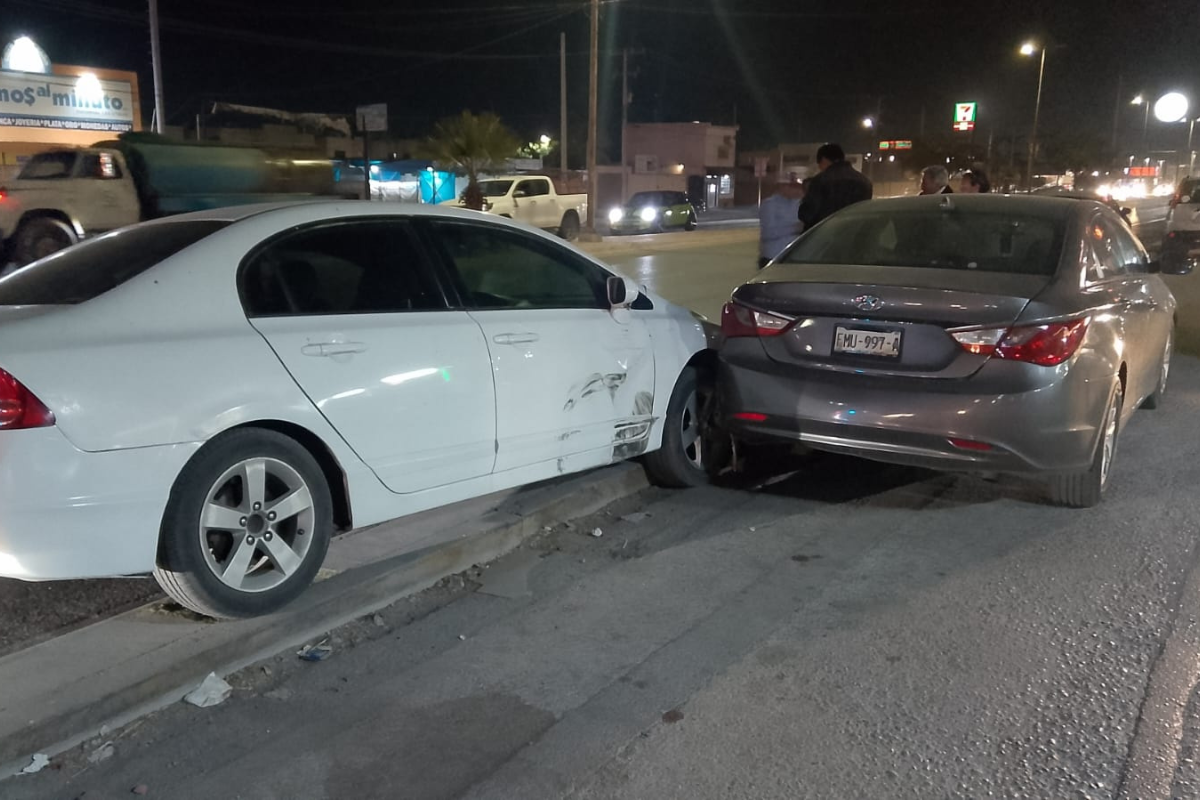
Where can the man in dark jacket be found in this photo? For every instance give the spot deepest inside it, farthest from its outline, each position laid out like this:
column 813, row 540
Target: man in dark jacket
column 836, row 186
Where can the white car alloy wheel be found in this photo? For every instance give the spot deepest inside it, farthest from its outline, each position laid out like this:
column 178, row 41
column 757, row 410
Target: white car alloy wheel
column 247, row 525
column 679, row 463
column 256, row 527
column 690, row 438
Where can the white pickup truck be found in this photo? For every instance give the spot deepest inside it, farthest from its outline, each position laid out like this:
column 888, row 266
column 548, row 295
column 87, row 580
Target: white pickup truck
column 532, row 199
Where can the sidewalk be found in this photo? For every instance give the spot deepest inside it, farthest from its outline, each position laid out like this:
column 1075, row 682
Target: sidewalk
column 64, row 691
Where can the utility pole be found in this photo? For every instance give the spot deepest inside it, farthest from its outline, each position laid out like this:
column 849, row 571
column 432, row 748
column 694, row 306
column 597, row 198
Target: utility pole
column 562, row 91
column 1117, row 113
column 156, row 56
column 1037, row 110
column 589, row 231
column 624, row 122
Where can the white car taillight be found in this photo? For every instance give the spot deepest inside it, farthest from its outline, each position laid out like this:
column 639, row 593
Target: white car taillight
column 19, row 408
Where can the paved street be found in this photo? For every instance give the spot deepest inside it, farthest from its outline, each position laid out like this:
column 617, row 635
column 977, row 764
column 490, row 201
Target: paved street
column 848, row 630
column 819, row 628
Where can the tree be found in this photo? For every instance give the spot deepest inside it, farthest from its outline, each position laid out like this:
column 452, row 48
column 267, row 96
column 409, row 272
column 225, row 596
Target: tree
column 470, row 144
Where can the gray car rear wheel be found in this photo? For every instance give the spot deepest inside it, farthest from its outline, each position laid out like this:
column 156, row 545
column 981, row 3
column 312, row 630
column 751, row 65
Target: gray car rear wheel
column 1084, row 489
column 1164, row 372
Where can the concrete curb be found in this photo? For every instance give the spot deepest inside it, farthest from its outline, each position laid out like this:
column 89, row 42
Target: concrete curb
column 144, row 674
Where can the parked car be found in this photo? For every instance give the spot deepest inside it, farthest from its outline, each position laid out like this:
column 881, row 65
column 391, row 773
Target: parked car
column 959, row 332
column 210, row 397
column 653, row 212
column 534, row 200
column 1182, row 242
column 1127, row 213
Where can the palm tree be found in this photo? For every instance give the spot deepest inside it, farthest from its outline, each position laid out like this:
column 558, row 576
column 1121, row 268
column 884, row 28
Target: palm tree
column 470, row 144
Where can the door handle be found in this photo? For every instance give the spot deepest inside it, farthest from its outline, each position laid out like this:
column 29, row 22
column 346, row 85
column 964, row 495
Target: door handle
column 515, row 338
column 327, row 349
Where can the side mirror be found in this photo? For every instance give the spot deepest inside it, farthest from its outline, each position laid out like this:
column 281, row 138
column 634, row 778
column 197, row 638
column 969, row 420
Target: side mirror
column 622, row 292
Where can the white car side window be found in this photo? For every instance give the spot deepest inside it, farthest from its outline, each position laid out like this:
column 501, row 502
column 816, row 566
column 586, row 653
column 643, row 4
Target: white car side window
column 506, row 269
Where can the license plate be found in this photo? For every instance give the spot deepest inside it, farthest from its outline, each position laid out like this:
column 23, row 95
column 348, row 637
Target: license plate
column 852, row 341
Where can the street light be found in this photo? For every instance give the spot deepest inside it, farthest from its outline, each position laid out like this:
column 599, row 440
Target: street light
column 868, row 123
column 1028, row 49
column 1140, row 100
column 1171, row 107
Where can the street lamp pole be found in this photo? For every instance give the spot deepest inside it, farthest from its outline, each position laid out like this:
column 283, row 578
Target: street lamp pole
column 1029, row 50
column 593, row 120
column 1191, row 152
column 156, row 58
column 1141, row 100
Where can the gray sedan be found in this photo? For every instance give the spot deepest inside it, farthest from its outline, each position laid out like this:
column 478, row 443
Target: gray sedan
column 982, row 332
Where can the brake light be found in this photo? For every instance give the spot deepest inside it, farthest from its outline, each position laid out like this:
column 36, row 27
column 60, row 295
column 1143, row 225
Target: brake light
column 1045, row 345
column 970, row 444
column 19, row 408
column 738, row 320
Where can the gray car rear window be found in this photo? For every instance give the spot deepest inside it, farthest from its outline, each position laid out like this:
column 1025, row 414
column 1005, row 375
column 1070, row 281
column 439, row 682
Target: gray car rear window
column 88, row 270
column 934, row 239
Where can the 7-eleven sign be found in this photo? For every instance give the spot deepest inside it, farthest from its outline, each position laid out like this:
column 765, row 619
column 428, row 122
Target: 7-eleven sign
column 964, row 116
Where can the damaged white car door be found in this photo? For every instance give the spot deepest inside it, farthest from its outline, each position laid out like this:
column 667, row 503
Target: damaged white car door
column 574, row 372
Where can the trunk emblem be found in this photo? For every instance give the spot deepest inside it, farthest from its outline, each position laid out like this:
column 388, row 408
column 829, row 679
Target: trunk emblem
column 867, row 302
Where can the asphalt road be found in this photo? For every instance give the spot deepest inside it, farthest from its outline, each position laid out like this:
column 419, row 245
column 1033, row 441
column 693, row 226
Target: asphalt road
column 839, row 630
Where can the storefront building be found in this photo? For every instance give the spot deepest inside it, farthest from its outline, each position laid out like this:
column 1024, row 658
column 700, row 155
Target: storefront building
column 45, row 105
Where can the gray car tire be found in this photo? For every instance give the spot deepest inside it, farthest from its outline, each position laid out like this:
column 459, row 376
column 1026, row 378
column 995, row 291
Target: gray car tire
column 680, row 462
column 1084, row 489
column 202, row 536
column 1164, row 371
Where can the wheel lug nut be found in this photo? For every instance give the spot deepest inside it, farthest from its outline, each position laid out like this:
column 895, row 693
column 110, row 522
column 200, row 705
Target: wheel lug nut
column 242, row 522
column 271, row 516
column 249, row 540
column 258, row 506
column 269, row 536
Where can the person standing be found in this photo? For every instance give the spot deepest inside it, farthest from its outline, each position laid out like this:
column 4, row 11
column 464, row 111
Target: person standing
column 778, row 222
column 974, row 181
column 935, row 180
column 836, row 186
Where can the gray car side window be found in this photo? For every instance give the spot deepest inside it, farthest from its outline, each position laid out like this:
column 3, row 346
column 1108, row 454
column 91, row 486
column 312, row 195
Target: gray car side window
column 1133, row 256
column 500, row 268
column 1107, row 261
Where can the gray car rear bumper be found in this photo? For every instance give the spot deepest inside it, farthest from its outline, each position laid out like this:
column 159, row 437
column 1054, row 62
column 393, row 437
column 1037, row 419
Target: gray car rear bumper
column 1047, row 422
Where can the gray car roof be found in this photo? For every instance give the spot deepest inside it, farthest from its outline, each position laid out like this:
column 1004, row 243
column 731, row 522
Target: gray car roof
column 1060, row 208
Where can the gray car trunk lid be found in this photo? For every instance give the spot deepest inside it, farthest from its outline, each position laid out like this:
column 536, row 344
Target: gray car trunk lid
column 919, row 304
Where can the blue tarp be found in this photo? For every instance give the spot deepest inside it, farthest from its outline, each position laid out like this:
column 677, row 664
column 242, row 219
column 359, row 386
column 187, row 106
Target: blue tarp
column 434, row 186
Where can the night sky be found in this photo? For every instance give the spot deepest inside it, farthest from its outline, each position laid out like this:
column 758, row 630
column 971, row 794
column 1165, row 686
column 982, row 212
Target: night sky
column 806, row 70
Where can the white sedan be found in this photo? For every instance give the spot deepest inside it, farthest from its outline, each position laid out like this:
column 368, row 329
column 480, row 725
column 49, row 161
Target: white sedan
column 212, row 396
